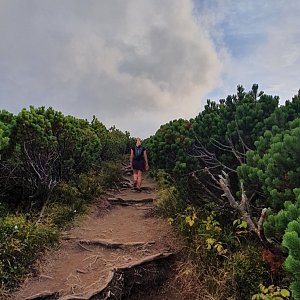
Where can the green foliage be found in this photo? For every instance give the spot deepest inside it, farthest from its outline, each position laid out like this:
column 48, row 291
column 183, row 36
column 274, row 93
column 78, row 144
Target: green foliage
column 273, row 169
column 65, row 192
column 4, row 209
column 93, row 183
column 247, row 269
column 71, row 198
column 168, row 146
column 241, row 265
column 6, row 123
column 167, row 201
column 62, row 215
column 90, row 184
column 187, row 222
column 277, row 223
column 271, row 293
column 183, row 147
column 291, row 240
column 110, row 173
column 275, row 165
column 4, row 139
column 222, row 249
column 42, row 147
column 20, row 243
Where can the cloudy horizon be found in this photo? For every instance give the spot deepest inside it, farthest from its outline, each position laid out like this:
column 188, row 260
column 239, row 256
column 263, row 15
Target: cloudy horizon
column 139, row 64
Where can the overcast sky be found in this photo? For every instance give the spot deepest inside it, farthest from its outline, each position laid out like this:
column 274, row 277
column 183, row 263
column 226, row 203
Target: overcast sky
column 137, row 64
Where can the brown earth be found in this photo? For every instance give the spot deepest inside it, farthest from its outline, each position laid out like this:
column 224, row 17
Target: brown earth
column 128, row 240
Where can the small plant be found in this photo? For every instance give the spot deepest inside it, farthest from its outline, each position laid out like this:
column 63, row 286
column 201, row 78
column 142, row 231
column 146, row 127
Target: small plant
column 271, row 293
column 110, row 174
column 90, row 184
column 212, row 229
column 62, row 215
column 213, row 244
column 187, row 222
column 247, row 269
column 240, row 225
column 211, row 224
column 191, row 216
column 65, row 193
column 167, row 201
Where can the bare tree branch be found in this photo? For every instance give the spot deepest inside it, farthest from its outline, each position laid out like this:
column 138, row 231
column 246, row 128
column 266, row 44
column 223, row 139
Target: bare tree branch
column 210, row 193
column 237, row 154
column 242, row 208
column 260, row 224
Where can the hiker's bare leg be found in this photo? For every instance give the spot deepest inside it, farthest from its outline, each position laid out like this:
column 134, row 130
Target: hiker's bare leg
column 135, row 178
column 139, row 179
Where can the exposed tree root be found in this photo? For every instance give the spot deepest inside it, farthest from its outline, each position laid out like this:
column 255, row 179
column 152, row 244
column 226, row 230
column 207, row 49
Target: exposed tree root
column 122, row 281
column 85, row 248
column 127, row 202
column 46, row 276
column 46, row 295
column 112, row 245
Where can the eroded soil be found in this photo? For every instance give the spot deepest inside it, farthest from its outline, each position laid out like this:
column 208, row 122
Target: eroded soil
column 127, row 233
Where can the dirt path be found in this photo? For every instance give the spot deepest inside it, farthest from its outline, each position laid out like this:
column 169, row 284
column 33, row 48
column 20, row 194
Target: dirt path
column 108, row 256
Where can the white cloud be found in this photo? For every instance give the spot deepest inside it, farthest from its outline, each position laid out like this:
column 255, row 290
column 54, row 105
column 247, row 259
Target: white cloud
column 136, row 64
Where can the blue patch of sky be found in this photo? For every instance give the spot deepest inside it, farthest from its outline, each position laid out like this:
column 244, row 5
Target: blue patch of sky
column 241, row 44
column 243, row 24
column 216, row 94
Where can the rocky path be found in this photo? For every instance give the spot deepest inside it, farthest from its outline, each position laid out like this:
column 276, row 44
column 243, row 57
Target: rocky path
column 108, row 256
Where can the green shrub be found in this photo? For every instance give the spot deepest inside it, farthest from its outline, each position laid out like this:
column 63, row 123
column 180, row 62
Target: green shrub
column 62, row 215
column 90, row 185
column 167, row 201
column 4, row 209
column 65, row 193
column 247, row 269
column 232, row 252
column 21, row 242
column 110, row 173
column 291, row 240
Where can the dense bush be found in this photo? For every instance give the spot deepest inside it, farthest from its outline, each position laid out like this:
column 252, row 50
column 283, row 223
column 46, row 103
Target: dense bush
column 41, row 147
column 273, row 168
column 291, row 240
column 226, row 264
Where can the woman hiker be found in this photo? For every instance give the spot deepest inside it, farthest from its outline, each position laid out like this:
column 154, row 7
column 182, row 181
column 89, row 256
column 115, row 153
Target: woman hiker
column 139, row 163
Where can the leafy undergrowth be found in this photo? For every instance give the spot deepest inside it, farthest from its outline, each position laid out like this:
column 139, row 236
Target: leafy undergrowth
column 224, row 260
column 21, row 242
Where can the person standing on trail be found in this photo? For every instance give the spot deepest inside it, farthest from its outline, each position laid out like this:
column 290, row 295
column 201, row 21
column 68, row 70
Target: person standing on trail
column 139, row 163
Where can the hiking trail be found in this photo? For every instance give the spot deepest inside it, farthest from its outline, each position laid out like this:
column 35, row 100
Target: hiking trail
column 118, row 250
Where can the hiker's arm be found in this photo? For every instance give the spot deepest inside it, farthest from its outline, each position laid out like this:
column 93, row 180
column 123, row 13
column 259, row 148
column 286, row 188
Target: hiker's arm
column 131, row 157
column 146, row 160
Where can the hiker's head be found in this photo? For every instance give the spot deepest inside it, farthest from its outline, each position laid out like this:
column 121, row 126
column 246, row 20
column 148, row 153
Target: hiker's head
column 138, row 142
